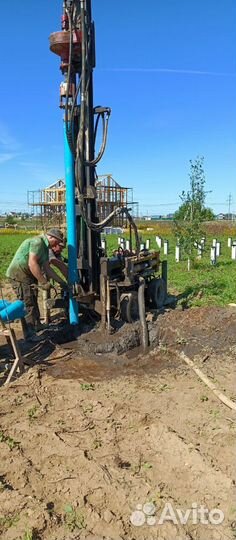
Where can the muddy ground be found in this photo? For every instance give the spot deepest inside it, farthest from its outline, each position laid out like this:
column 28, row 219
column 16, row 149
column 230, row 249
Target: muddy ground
column 91, row 433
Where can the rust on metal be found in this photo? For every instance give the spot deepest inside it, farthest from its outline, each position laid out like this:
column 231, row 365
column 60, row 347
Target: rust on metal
column 60, row 43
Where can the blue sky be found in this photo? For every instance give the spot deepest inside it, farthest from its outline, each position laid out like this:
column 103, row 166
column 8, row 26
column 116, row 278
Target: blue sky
column 167, row 70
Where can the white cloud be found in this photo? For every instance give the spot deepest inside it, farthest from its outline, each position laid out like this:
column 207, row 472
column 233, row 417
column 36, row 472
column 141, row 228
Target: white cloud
column 166, row 70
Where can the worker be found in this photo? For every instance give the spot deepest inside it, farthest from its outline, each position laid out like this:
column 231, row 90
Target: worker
column 30, row 269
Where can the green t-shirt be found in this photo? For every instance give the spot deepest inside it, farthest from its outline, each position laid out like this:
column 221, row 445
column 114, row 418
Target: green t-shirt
column 19, row 268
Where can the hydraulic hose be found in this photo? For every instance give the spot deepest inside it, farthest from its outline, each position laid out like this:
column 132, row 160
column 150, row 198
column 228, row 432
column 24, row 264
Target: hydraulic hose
column 80, row 162
column 141, row 307
column 68, row 124
column 99, row 226
column 82, row 87
column 104, row 138
column 80, row 138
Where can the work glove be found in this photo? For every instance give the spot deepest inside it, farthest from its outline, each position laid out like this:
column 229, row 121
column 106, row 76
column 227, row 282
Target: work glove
column 46, row 286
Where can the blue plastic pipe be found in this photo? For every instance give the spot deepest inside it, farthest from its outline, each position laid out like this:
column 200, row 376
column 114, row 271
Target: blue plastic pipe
column 71, row 229
column 12, row 311
column 4, row 304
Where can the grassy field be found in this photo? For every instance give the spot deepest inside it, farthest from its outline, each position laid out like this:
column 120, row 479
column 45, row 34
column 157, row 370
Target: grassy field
column 9, row 242
column 203, row 285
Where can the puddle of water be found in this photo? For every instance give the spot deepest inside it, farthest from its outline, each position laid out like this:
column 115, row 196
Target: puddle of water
column 102, row 367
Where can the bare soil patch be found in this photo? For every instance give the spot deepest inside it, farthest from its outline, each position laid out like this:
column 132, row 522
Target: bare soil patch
column 91, row 431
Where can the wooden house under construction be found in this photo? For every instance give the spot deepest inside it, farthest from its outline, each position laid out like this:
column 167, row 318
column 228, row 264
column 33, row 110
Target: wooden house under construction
column 49, row 203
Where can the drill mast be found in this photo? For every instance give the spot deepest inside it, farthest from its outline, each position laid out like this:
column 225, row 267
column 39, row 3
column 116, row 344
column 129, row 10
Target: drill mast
column 75, row 44
column 104, row 284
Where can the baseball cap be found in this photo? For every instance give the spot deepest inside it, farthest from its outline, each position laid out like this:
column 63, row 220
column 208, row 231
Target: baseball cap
column 56, row 233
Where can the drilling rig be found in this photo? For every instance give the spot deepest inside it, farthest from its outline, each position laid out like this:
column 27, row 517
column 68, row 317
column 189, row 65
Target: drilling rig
column 123, row 283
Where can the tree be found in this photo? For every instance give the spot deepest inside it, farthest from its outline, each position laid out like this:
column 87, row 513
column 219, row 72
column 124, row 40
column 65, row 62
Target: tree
column 189, row 217
column 10, row 219
column 207, row 214
column 193, row 201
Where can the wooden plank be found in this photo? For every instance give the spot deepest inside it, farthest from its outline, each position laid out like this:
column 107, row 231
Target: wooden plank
column 11, row 339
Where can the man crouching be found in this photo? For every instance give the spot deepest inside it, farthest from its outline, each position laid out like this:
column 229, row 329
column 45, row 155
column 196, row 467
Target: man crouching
column 27, row 271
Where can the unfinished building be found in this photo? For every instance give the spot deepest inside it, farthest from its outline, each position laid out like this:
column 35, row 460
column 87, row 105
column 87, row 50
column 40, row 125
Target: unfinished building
column 110, row 195
column 49, row 203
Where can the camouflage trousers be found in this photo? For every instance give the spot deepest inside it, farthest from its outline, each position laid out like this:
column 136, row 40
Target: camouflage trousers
column 26, row 291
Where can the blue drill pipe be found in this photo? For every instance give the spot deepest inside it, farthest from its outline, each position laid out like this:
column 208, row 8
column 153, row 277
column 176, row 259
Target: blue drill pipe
column 71, row 229
column 10, row 311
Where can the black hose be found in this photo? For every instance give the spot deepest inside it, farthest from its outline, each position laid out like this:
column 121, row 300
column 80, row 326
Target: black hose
column 141, row 307
column 83, row 87
column 104, row 139
column 80, row 138
column 134, row 226
column 69, row 130
column 99, row 226
column 96, row 128
column 73, row 107
column 80, row 162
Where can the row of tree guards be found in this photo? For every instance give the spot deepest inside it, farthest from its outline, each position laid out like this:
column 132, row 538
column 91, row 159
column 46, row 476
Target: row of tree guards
column 215, row 250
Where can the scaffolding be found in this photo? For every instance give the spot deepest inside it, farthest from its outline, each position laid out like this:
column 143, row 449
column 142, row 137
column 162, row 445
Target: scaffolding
column 110, row 195
column 49, row 203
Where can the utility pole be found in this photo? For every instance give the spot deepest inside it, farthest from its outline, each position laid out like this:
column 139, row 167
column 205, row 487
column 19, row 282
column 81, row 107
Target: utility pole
column 229, row 201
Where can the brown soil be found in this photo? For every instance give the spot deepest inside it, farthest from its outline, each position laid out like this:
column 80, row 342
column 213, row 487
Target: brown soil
column 90, row 432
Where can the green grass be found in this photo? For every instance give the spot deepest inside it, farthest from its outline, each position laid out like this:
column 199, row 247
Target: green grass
column 9, row 243
column 203, row 285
